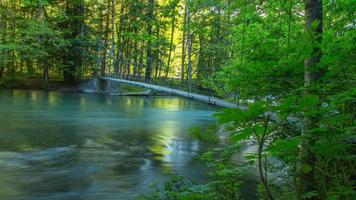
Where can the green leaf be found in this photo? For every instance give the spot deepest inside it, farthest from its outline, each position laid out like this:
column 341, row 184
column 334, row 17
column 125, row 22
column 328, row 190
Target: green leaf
column 255, row 110
column 309, row 101
column 230, row 115
column 241, row 135
column 306, row 169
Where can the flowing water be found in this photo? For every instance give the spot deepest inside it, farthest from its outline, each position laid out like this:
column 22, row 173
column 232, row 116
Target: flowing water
column 58, row 146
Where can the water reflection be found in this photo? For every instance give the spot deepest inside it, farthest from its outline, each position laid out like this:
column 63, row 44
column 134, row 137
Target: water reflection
column 80, row 146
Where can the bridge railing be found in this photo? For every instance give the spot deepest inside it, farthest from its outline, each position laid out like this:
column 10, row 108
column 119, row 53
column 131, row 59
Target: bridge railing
column 175, row 83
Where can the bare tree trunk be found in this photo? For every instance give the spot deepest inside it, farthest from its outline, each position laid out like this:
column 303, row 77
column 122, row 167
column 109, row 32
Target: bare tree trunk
column 313, row 16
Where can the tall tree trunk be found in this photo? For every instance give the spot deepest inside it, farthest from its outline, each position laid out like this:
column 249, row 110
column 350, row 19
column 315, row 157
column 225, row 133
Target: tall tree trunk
column 74, row 59
column 314, row 28
column 12, row 58
column 128, row 59
column 189, row 44
column 106, row 34
column 140, row 65
column 172, row 39
column 100, row 42
column 183, row 42
column 3, row 37
column 80, row 60
column 201, row 59
column 123, row 44
column 135, row 64
column 157, row 48
column 112, row 51
column 217, row 52
column 43, row 38
column 119, row 51
column 149, row 43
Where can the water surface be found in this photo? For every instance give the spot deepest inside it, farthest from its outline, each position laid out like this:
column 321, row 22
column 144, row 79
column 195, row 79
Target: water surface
column 86, row 146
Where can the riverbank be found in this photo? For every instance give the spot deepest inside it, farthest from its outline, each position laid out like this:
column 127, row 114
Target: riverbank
column 80, row 87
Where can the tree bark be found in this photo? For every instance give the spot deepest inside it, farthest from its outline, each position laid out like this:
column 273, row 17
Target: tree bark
column 74, row 59
column 43, row 39
column 183, row 42
column 12, row 29
column 119, row 51
column 189, row 44
column 140, row 65
column 112, row 51
column 149, row 43
column 3, row 37
column 106, row 34
column 172, row 39
column 314, row 28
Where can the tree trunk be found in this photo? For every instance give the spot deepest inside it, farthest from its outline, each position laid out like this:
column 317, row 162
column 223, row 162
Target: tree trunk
column 263, row 176
column 43, row 39
column 149, row 43
column 172, row 39
column 183, row 42
column 313, row 16
column 140, row 65
column 201, row 71
column 74, row 59
column 158, row 50
column 135, row 61
column 3, row 38
column 112, row 51
column 12, row 27
column 106, row 34
column 119, row 51
column 189, row 43
column 128, row 60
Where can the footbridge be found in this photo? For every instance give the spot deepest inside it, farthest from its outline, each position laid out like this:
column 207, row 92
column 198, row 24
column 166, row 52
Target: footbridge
column 207, row 99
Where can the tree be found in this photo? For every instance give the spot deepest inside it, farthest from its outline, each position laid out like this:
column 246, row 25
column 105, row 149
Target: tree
column 149, row 42
column 314, row 29
column 184, row 40
column 173, row 19
column 75, row 23
column 3, row 36
column 189, row 44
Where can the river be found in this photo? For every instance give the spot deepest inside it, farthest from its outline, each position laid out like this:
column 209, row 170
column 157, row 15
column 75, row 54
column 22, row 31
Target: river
column 58, row 146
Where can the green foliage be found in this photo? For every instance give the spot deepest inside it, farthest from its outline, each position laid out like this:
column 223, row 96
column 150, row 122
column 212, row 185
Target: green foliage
column 207, row 135
column 179, row 188
column 250, row 51
column 285, row 149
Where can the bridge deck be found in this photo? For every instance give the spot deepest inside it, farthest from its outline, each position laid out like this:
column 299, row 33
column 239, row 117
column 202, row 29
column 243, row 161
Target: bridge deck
column 208, row 99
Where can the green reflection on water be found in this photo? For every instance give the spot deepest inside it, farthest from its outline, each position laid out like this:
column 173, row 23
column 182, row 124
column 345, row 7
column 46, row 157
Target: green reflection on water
column 93, row 146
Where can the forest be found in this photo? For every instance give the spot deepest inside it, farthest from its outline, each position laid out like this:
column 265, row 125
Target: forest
column 289, row 66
